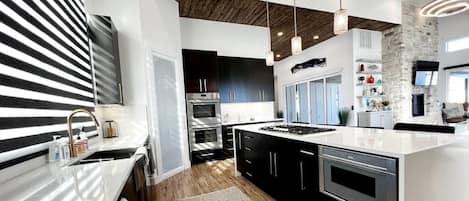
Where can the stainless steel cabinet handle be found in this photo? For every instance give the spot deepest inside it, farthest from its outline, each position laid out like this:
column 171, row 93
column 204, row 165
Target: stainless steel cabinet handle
column 259, row 96
column 121, row 96
column 263, row 95
column 205, row 84
column 239, row 141
column 248, row 161
column 247, row 149
column 302, row 177
column 229, row 96
column 307, row 152
column 249, row 174
column 200, row 85
column 208, row 154
column 275, row 164
column 270, row 163
column 234, row 95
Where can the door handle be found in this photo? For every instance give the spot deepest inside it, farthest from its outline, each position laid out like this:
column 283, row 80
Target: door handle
column 302, row 177
column 239, row 140
column 121, row 96
column 200, row 85
column 275, row 165
column 263, row 95
column 205, row 84
column 270, row 163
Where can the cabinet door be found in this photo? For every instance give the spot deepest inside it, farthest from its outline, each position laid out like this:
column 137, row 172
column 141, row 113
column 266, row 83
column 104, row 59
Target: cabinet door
column 240, row 163
column 225, row 84
column 267, row 84
column 307, row 173
column 200, row 71
column 106, row 62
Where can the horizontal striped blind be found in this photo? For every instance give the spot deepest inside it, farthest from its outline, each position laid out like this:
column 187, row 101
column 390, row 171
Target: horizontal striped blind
column 45, row 70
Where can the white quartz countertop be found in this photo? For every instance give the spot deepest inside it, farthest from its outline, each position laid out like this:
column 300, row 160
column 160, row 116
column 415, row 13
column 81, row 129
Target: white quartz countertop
column 102, row 181
column 377, row 141
column 251, row 122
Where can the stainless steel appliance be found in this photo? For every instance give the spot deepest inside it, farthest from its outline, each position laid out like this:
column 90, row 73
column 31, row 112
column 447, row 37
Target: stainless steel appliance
column 354, row 176
column 205, row 137
column 295, row 129
column 204, row 121
column 203, row 109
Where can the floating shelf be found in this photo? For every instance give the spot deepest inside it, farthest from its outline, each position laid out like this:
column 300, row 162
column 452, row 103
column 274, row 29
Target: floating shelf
column 369, row 73
column 369, row 85
column 371, row 61
column 371, row 96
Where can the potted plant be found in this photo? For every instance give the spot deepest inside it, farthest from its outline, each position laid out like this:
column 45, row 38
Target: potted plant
column 343, row 116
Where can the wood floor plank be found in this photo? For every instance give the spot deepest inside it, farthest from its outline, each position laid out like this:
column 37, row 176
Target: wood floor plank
column 205, row 178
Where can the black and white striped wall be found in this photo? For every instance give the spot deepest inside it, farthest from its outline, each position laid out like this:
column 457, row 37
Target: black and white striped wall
column 45, row 73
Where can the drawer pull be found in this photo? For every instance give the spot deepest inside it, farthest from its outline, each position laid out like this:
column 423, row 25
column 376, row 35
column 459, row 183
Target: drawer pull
column 248, row 137
column 230, row 149
column 247, row 149
column 205, row 155
column 249, row 174
column 248, row 162
column 307, row 152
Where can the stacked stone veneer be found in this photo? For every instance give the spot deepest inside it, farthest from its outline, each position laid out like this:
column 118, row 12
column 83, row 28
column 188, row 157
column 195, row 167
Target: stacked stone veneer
column 415, row 39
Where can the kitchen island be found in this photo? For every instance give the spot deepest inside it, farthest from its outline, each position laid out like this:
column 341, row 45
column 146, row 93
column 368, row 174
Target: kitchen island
column 428, row 166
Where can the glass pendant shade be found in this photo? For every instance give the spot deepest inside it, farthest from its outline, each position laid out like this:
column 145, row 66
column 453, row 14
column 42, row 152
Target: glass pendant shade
column 340, row 21
column 296, row 45
column 269, row 59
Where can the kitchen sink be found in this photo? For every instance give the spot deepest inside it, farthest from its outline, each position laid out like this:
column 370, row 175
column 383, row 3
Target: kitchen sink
column 110, row 155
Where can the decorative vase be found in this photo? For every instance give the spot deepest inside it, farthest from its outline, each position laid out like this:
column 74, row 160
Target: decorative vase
column 371, row 79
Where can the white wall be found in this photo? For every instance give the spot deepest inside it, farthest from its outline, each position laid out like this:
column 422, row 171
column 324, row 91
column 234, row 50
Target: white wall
column 452, row 27
column 143, row 26
column 383, row 10
column 338, row 53
column 228, row 39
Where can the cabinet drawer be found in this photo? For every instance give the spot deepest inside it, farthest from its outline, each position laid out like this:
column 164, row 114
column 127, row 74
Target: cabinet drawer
column 206, row 155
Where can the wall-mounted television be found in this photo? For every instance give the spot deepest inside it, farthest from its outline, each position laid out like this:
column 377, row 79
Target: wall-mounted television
column 425, row 73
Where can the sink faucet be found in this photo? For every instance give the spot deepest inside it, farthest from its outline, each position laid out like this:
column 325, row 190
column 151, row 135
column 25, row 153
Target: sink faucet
column 73, row 152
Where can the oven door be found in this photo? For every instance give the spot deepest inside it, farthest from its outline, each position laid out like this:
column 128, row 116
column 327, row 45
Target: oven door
column 352, row 181
column 203, row 138
column 203, row 113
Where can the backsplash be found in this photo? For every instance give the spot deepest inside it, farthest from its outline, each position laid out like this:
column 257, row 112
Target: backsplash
column 253, row 111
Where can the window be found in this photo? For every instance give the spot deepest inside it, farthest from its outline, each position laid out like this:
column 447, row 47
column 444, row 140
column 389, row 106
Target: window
column 457, row 44
column 458, row 90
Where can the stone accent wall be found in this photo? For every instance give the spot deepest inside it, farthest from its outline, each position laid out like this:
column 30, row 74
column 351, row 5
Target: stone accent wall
column 415, row 39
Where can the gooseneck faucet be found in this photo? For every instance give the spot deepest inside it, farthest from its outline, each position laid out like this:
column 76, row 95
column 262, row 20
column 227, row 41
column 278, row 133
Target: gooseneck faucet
column 73, row 152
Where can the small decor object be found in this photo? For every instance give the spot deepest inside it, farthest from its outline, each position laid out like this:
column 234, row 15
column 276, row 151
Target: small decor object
column 373, row 67
column 385, row 104
column 343, row 116
column 371, row 79
column 379, row 81
column 362, row 68
column 361, row 79
column 110, row 129
column 320, row 62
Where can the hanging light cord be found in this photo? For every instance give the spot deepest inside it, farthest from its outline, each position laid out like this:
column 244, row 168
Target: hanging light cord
column 294, row 15
column 340, row 4
column 268, row 16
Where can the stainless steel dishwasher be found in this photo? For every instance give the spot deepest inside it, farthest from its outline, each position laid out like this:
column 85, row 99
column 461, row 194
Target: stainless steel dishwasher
column 355, row 176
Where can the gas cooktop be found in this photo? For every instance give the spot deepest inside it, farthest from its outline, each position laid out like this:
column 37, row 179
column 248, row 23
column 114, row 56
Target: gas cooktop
column 295, row 129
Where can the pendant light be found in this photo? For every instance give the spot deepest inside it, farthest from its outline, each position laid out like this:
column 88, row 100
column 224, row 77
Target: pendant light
column 340, row 20
column 295, row 41
column 269, row 59
column 443, row 8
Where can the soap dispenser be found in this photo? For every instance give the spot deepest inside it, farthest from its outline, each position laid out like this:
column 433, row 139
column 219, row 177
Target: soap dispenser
column 54, row 149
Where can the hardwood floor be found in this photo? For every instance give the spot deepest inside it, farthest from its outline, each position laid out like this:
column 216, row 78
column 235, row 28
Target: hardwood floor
column 205, row 178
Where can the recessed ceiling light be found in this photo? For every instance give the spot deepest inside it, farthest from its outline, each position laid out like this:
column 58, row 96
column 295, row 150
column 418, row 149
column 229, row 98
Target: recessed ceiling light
column 315, row 37
column 278, row 55
column 280, row 34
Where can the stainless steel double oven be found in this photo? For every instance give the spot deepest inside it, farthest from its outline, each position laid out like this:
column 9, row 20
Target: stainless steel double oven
column 354, row 176
column 204, row 121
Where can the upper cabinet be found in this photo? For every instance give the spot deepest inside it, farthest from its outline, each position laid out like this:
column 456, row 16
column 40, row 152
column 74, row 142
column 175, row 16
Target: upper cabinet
column 245, row 80
column 200, row 71
column 105, row 61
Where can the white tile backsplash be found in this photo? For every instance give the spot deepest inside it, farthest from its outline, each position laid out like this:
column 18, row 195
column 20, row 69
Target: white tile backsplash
column 253, row 111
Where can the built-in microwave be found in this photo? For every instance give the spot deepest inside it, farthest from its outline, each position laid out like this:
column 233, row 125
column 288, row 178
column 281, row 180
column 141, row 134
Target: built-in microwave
column 203, row 109
column 354, row 176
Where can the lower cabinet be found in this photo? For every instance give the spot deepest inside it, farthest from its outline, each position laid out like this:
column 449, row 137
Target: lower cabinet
column 135, row 188
column 285, row 169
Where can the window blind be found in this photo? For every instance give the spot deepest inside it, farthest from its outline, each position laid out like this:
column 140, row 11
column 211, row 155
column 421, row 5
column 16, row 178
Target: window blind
column 45, row 71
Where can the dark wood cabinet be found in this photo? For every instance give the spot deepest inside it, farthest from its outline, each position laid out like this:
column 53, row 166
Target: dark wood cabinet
column 245, row 80
column 285, row 169
column 200, row 71
column 135, row 188
column 105, row 61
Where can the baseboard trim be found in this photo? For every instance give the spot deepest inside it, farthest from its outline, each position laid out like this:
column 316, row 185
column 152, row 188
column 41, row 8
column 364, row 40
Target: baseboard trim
column 157, row 179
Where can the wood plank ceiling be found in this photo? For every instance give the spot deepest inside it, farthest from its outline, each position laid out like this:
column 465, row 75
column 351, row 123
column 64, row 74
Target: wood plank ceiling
column 253, row 12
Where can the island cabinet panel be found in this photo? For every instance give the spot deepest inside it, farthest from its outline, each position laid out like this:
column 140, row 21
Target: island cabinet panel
column 285, row 169
column 200, row 71
column 245, row 80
